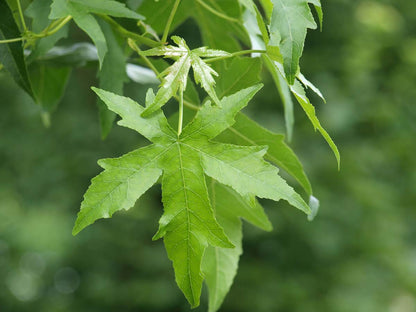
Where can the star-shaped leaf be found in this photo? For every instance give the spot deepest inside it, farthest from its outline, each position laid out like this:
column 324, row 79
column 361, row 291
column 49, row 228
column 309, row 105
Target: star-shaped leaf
column 188, row 224
column 176, row 76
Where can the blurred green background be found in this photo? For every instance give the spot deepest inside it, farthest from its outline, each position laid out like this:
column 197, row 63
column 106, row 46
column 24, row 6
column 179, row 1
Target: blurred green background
column 359, row 254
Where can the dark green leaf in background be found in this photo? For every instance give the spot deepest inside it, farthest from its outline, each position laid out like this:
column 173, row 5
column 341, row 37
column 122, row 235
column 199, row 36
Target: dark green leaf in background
column 220, row 264
column 247, row 132
column 238, row 74
column 112, row 76
column 49, row 84
column 11, row 54
column 217, row 32
column 80, row 11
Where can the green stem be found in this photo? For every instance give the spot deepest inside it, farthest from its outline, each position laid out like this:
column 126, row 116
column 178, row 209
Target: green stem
column 215, row 12
column 170, row 20
column 234, row 54
column 46, row 32
column 128, row 34
column 22, row 18
column 11, row 40
column 180, row 120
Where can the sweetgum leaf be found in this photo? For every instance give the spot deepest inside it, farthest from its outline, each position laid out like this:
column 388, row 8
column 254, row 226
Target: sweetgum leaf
column 188, row 224
column 176, row 76
column 11, row 54
column 289, row 23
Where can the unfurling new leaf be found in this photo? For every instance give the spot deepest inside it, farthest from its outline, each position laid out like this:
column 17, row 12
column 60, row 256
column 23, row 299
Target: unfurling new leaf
column 176, row 76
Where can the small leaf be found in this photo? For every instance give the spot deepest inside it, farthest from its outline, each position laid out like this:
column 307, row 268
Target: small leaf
column 49, row 84
column 11, row 54
column 176, row 76
column 318, row 8
column 289, row 22
column 303, row 100
column 310, row 85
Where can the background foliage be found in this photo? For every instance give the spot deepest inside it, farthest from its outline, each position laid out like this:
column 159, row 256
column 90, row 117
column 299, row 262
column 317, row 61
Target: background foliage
column 358, row 254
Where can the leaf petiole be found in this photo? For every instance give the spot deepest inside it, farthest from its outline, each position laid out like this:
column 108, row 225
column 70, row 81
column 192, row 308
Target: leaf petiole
column 19, row 7
column 45, row 33
column 128, row 34
column 59, row 24
column 234, row 54
column 11, row 40
column 170, row 20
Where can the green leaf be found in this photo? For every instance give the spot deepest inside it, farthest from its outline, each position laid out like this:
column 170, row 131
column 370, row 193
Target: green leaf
column 91, row 27
column 318, row 8
column 11, row 54
column 80, row 11
column 289, row 23
column 188, row 224
column 285, row 95
column 246, row 131
column 303, row 100
column 124, row 180
column 39, row 11
column 220, row 264
column 112, row 77
column 216, row 31
column 62, row 8
column 240, row 73
column 310, row 85
column 49, row 84
column 176, row 76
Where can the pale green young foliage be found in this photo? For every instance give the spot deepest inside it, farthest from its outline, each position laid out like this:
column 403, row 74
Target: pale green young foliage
column 176, row 76
column 188, row 224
